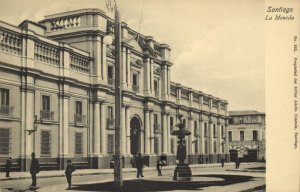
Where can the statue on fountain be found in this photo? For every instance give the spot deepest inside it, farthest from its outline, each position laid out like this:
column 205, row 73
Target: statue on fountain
column 182, row 170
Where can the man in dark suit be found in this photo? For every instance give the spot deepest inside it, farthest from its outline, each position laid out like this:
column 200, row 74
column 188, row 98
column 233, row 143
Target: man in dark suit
column 69, row 170
column 139, row 165
column 8, row 166
column 34, row 169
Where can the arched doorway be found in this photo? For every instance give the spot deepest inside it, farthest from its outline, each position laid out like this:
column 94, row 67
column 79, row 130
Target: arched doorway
column 135, row 129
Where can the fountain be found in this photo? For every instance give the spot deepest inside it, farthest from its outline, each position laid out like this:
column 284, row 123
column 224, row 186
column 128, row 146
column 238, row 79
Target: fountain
column 182, row 171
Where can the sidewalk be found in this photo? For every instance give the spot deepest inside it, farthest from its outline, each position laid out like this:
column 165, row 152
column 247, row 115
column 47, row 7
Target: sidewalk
column 80, row 172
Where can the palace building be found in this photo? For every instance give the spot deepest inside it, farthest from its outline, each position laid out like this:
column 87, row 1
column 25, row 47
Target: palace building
column 57, row 97
column 246, row 136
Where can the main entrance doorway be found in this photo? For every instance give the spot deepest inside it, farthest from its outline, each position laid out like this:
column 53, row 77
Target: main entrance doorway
column 135, row 129
column 233, row 155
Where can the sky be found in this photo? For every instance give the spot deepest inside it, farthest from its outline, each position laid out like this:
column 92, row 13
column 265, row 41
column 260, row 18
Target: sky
column 217, row 45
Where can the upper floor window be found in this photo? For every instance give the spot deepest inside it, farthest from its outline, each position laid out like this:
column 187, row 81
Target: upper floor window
column 205, row 101
column 230, row 121
column 4, row 96
column 241, row 120
column 171, row 123
column 229, row 136
column 214, row 130
column 184, row 123
column 79, row 107
column 46, row 103
column 195, row 129
column 156, row 88
column 222, row 131
column 205, row 130
column 255, row 135
column 5, row 109
column 110, row 112
column 215, row 103
column 242, row 136
column 110, row 74
column 135, row 82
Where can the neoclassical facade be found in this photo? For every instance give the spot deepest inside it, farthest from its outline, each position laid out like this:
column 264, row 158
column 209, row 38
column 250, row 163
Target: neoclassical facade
column 246, row 135
column 57, row 97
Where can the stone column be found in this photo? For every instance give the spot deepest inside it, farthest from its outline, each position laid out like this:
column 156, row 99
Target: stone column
column 147, row 79
column 97, row 130
column 128, row 130
column 191, row 137
column 103, row 129
column 211, row 138
column 147, row 132
column 151, row 76
column 103, row 60
column 29, row 115
column 219, row 151
column 151, row 128
column 66, row 134
column 97, row 68
column 165, row 133
column 169, row 134
column 123, row 130
column 164, row 82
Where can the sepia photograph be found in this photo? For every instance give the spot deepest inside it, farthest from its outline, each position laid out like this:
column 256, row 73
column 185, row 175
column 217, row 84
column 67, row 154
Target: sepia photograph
column 138, row 95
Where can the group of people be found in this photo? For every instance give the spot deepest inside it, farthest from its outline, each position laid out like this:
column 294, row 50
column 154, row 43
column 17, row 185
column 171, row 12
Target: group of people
column 35, row 169
column 140, row 165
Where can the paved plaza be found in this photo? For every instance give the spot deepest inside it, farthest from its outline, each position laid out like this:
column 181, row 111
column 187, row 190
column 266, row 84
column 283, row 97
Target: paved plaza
column 209, row 177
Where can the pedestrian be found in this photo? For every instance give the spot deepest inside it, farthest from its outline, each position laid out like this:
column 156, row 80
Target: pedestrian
column 8, row 166
column 237, row 163
column 159, row 168
column 69, row 170
column 139, row 165
column 222, row 161
column 34, row 169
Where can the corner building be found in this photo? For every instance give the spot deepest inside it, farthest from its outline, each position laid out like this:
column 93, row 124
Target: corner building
column 57, row 97
column 246, row 136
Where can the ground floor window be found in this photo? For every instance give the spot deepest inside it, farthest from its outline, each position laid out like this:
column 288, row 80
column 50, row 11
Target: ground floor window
column 4, row 141
column 110, row 144
column 78, row 144
column 45, row 143
column 215, row 147
column 172, row 146
column 156, row 145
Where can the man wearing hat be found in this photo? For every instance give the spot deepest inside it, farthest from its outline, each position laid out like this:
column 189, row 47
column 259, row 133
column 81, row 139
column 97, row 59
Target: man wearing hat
column 34, row 169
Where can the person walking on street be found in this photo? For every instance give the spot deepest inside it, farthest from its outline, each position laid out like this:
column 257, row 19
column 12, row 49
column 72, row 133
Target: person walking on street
column 8, row 166
column 159, row 168
column 222, row 162
column 237, row 163
column 69, row 170
column 139, row 165
column 34, row 169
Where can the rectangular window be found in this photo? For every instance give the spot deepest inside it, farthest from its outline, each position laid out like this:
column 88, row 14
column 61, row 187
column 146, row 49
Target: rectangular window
column 255, row 134
column 206, row 147
column 171, row 123
column 214, row 130
column 79, row 107
column 46, row 103
column 110, row 72
column 134, row 79
column 215, row 147
column 45, row 143
column 156, row 90
column 229, row 136
column 195, row 129
column 156, row 145
column 110, row 112
column 222, row 132
column 184, row 123
column 205, row 130
column 4, row 141
column 110, row 144
column 78, row 144
column 4, row 96
column 205, row 101
column 241, row 135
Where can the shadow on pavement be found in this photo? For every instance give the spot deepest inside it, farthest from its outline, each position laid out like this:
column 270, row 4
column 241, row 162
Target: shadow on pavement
column 148, row 185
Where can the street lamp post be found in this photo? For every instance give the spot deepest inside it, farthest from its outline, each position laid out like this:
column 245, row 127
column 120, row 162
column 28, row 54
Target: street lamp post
column 118, row 172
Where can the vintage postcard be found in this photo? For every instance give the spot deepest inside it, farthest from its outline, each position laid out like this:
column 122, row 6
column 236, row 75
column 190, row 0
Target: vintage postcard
column 149, row 95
